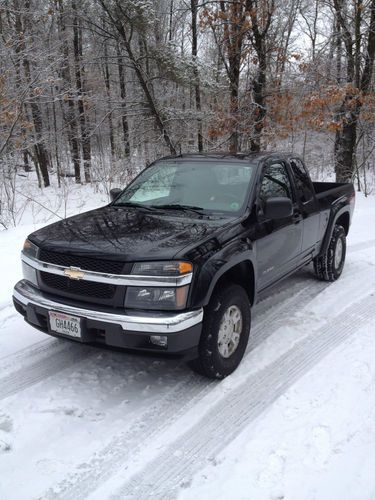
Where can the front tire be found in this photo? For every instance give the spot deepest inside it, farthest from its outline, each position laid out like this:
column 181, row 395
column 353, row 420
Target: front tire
column 225, row 333
column 329, row 266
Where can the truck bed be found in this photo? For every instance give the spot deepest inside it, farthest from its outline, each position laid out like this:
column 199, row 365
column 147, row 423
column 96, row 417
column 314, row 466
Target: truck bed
column 323, row 189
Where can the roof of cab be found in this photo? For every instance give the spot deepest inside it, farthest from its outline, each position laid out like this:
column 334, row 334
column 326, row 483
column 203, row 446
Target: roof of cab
column 218, row 155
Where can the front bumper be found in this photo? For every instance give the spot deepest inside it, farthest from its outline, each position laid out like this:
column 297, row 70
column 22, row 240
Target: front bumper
column 123, row 329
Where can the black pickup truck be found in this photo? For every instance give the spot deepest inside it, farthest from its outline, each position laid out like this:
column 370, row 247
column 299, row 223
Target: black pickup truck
column 174, row 263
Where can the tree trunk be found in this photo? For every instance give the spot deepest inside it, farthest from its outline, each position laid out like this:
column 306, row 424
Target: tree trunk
column 194, row 52
column 83, row 119
column 345, row 146
column 124, row 120
column 259, row 37
column 170, row 30
column 233, row 36
column 346, row 136
column 259, row 85
column 234, row 108
column 70, row 115
column 41, row 154
column 55, row 136
column 107, row 83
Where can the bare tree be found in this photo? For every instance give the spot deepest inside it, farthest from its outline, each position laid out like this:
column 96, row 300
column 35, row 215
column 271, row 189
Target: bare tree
column 81, row 93
column 22, row 29
column 120, row 16
column 261, row 17
column 68, row 101
column 358, row 78
column 194, row 52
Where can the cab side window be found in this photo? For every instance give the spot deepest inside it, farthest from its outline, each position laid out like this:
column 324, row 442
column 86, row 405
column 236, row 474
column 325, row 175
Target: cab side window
column 275, row 183
column 302, row 180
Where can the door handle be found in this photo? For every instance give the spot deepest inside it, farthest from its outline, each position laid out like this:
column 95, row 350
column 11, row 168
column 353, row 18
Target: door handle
column 297, row 217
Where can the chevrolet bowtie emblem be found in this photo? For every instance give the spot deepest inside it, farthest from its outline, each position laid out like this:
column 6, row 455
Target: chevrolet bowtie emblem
column 74, row 273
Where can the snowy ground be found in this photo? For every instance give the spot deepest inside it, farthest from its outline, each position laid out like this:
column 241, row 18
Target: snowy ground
column 294, row 422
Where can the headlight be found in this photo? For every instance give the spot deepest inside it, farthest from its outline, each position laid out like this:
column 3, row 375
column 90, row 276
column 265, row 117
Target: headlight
column 166, row 298
column 156, row 298
column 167, row 268
column 30, row 249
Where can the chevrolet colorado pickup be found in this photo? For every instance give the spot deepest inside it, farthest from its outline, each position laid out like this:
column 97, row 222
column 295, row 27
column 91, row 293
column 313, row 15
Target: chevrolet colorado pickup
column 178, row 258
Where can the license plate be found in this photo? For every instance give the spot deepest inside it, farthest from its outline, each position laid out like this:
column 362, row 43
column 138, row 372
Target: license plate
column 65, row 324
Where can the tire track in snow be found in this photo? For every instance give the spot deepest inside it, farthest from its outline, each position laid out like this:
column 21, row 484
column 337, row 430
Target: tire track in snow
column 38, row 362
column 272, row 308
column 6, row 313
column 32, row 364
column 28, row 354
column 175, row 466
column 364, row 245
column 51, row 346
column 107, row 461
column 88, row 476
column 43, row 368
column 53, row 356
column 268, row 317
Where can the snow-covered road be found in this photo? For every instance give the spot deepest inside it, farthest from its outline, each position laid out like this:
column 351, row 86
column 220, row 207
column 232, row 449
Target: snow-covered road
column 295, row 421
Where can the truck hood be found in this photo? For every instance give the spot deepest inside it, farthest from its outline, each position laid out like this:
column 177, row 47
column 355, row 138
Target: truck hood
column 126, row 234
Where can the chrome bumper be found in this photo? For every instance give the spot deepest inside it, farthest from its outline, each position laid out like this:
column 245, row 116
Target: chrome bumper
column 155, row 322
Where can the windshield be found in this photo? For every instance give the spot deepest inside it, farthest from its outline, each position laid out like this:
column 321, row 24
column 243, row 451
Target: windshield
column 213, row 186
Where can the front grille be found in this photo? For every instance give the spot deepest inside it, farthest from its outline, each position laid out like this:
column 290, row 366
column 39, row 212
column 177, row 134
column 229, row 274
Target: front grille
column 85, row 288
column 86, row 263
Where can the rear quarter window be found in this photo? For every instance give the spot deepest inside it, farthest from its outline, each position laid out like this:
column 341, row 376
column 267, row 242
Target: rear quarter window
column 302, row 180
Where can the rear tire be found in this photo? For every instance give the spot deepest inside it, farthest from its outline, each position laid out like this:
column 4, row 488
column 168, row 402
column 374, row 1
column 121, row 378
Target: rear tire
column 225, row 333
column 329, row 266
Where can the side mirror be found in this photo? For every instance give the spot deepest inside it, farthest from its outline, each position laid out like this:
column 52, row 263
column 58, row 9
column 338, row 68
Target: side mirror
column 114, row 193
column 278, row 208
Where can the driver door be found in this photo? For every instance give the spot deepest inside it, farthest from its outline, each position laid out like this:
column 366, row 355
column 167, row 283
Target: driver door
column 279, row 242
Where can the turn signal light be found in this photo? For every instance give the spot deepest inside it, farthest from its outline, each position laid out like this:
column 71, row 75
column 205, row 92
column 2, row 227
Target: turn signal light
column 185, row 267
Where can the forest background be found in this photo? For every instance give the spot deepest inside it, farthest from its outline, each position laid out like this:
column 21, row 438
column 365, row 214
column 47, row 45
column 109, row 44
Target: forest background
column 93, row 91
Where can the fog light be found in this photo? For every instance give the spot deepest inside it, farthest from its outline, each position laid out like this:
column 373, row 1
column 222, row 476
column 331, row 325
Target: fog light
column 160, row 340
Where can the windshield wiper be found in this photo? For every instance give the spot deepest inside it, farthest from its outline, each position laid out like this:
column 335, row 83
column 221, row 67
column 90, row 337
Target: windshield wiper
column 174, row 206
column 177, row 206
column 133, row 205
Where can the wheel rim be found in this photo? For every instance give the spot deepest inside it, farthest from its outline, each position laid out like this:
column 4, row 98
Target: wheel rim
column 230, row 331
column 338, row 253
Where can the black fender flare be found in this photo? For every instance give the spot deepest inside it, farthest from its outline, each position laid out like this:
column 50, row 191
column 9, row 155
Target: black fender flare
column 334, row 216
column 246, row 257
